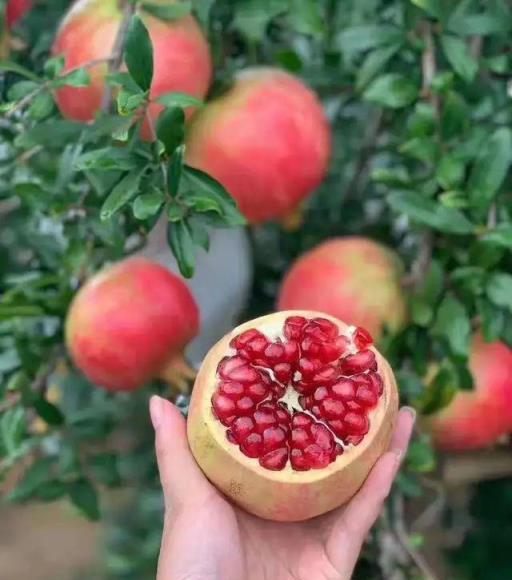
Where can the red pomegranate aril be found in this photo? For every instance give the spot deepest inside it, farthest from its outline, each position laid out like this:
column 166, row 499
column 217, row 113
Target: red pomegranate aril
column 242, row 427
column 327, row 327
column 298, row 461
column 246, row 337
column 323, row 437
column 328, row 352
column 377, row 383
column 245, row 406
column 315, row 409
column 344, row 389
column 354, row 439
column 274, row 353
column 224, row 406
column 362, row 381
column 275, row 460
column 332, row 408
column 320, row 394
column 231, row 437
column 228, row 364
column 231, row 390
column 301, row 420
column 252, row 446
column 273, row 438
column 326, row 376
column 366, row 397
column 293, row 327
column 356, row 424
column 263, row 419
column 309, row 367
column 291, row 351
column 283, row 372
column 300, row 437
column 358, row 363
column 316, row 456
column 305, row 387
column 362, row 338
column 309, row 347
column 342, row 344
column 338, row 427
column 257, row 391
column 354, row 406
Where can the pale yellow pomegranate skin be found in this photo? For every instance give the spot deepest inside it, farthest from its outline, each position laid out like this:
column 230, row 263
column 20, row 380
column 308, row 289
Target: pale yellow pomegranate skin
column 285, row 495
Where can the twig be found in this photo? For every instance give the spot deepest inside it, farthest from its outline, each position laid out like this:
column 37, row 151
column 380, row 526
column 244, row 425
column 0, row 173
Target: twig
column 432, row 511
column 492, row 216
column 403, row 537
column 116, row 57
column 12, row 401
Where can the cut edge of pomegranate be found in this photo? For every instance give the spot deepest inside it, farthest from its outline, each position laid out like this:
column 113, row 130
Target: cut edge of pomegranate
column 272, row 326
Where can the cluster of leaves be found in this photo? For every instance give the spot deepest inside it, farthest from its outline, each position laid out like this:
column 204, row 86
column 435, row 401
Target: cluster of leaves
column 418, row 99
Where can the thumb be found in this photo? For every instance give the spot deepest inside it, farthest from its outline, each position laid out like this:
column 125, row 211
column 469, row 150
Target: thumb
column 182, row 480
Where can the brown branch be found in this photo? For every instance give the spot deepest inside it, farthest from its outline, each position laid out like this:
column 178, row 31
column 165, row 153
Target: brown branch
column 116, row 57
column 10, row 402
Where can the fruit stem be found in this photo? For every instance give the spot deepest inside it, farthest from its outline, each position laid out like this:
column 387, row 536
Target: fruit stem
column 179, row 374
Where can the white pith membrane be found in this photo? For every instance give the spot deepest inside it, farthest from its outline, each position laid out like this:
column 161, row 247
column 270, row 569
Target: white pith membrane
column 327, row 436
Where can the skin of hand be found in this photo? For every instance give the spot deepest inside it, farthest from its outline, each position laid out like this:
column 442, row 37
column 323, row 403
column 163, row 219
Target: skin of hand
column 205, row 537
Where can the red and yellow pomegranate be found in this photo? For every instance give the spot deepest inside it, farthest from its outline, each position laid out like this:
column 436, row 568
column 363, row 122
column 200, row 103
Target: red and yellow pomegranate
column 15, row 11
column 354, row 279
column 478, row 418
column 181, row 55
column 130, row 323
column 290, row 412
column 267, row 141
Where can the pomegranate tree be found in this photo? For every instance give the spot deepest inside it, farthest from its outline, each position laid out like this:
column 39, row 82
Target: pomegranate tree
column 478, row 418
column 354, row 279
column 266, row 140
column 181, row 55
column 130, row 323
column 290, row 412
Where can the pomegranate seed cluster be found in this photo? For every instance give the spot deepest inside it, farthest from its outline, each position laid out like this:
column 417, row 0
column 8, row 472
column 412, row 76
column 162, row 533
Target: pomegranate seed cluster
column 303, row 398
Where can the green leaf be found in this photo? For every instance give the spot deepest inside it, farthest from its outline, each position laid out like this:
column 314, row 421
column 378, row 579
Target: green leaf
column 51, row 491
column 77, row 78
column 199, row 232
column 202, row 202
column 491, row 167
column 122, row 193
column 305, row 17
column 374, row 63
column 104, row 468
column 501, row 235
column 175, row 170
column 54, row 66
column 420, row 456
column 22, row 89
column 182, row 100
column 450, row 172
column 37, row 474
column 453, row 324
column 84, row 496
column 129, row 103
column 13, row 427
column 148, row 204
column 436, row 8
column 424, row 149
column 182, row 245
column 493, row 320
column 253, row 16
column 50, row 413
column 392, row 90
column 200, row 182
column 54, row 134
column 426, row 211
column 458, row 55
column 170, row 128
column 174, row 11
column 479, row 24
column 106, row 159
column 41, row 106
column 439, row 393
column 14, row 67
column 360, row 38
column 499, row 289
column 8, row 311
column 455, row 115
column 139, row 54
column 175, row 211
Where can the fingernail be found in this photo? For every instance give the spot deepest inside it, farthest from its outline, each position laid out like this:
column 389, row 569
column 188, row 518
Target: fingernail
column 411, row 411
column 156, row 410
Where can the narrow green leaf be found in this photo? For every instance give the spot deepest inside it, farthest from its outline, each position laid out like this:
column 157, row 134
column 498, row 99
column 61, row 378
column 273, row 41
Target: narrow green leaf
column 458, row 55
column 48, row 412
column 179, row 100
column 106, row 159
column 175, row 170
column 453, row 324
column 41, row 106
column 360, row 38
column 14, row 67
column 139, row 53
column 182, row 245
column 420, row 456
column 36, row 475
column 439, row 393
column 199, row 232
column 170, row 128
column 305, row 17
column 85, row 498
column 122, row 193
column 450, row 172
column 500, row 235
column 13, row 427
column 253, row 16
column 174, row 11
column 491, row 167
column 147, row 205
column 374, row 63
column 392, row 90
column 77, row 78
column 499, row 289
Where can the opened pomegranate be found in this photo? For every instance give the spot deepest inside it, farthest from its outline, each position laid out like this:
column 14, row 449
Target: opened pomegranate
column 130, row 323
column 290, row 412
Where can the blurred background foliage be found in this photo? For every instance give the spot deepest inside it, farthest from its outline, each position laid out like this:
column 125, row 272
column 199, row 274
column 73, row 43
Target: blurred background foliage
column 418, row 96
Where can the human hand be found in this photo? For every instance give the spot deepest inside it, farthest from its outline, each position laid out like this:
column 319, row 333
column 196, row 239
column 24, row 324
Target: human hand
column 207, row 538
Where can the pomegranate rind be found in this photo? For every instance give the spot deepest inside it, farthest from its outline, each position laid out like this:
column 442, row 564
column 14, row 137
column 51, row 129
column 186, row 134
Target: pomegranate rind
column 286, row 495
